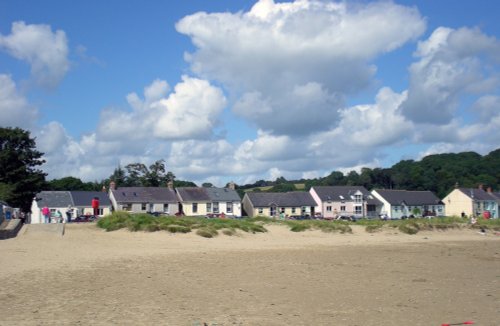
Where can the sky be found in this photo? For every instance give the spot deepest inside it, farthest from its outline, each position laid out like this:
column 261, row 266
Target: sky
column 237, row 90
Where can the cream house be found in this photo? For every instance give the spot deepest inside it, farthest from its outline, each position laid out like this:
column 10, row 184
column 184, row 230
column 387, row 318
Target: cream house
column 471, row 202
column 273, row 204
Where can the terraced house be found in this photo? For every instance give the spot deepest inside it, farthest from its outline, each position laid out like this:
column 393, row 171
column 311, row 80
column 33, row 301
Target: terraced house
column 335, row 201
column 399, row 204
column 472, row 202
column 200, row 201
column 144, row 199
column 273, row 204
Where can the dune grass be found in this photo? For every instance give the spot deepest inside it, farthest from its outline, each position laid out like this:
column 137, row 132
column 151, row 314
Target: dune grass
column 325, row 226
column 204, row 227
column 210, row 228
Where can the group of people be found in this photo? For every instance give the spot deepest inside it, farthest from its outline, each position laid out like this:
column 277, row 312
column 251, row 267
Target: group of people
column 57, row 216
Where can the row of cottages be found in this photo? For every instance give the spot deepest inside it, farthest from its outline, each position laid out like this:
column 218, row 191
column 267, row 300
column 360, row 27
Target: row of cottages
column 333, row 201
column 472, row 202
column 188, row 201
column 77, row 203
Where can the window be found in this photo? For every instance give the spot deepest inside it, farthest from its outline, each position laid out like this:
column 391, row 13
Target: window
column 342, row 208
column 261, row 210
column 165, row 208
column 357, row 210
column 209, row 207
column 216, row 208
column 127, row 207
column 358, row 198
column 143, row 206
column 396, row 209
column 328, row 208
column 100, row 211
column 293, row 210
column 229, row 207
column 195, row 207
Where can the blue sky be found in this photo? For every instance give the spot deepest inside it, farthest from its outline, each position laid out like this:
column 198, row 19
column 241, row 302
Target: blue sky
column 247, row 90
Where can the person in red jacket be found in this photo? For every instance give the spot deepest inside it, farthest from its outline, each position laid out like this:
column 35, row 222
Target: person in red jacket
column 95, row 206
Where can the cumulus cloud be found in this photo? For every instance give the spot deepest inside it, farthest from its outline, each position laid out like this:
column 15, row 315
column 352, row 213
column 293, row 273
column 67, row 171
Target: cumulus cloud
column 292, row 64
column 190, row 111
column 15, row 110
column 453, row 63
column 44, row 50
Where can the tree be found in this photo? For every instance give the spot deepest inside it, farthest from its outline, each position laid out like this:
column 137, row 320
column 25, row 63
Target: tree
column 207, row 185
column 154, row 176
column 69, row 183
column 20, row 179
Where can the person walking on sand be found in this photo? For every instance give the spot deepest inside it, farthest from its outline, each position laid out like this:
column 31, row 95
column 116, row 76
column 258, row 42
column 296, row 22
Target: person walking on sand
column 46, row 214
column 58, row 216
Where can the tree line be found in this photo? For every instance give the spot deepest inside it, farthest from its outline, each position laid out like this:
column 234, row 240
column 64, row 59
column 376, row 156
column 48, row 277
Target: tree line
column 21, row 177
column 439, row 173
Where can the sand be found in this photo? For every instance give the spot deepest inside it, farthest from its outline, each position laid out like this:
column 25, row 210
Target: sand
column 92, row 277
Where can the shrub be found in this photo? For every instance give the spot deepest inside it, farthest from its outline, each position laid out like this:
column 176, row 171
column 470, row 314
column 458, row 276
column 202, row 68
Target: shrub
column 207, row 232
column 173, row 228
column 371, row 228
column 115, row 221
column 409, row 228
column 229, row 232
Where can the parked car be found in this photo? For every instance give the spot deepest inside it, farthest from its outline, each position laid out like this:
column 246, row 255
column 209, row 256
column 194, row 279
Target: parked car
column 84, row 219
column 350, row 218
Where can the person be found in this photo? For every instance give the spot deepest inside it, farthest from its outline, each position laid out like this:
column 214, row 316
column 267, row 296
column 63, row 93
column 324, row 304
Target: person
column 69, row 212
column 58, row 216
column 46, row 214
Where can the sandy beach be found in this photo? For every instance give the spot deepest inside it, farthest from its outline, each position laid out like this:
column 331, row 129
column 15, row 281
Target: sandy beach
column 93, row 277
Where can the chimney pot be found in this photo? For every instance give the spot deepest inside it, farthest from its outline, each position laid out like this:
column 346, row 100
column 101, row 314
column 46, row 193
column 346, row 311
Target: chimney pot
column 480, row 186
column 112, row 185
column 489, row 190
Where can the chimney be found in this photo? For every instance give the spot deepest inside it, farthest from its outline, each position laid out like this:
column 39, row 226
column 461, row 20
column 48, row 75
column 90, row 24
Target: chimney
column 170, row 185
column 112, row 185
column 456, row 185
column 232, row 186
column 480, row 186
column 103, row 188
column 489, row 190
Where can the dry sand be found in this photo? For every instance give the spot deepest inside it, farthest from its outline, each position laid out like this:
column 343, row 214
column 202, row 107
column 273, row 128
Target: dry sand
column 91, row 277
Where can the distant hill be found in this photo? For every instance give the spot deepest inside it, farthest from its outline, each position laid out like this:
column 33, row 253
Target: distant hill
column 438, row 173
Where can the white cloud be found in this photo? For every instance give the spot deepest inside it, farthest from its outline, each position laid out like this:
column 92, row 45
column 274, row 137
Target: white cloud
column 44, row 50
column 15, row 111
column 191, row 111
column 292, row 64
column 453, row 63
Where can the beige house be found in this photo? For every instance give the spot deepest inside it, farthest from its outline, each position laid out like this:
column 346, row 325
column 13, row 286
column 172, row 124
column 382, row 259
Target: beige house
column 471, row 202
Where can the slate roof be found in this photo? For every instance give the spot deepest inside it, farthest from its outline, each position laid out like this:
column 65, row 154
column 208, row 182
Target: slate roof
column 281, row 199
column 340, row 193
column 479, row 194
column 84, row 198
column 74, row 198
column 222, row 194
column 144, row 195
column 54, row 199
column 410, row 198
column 192, row 194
